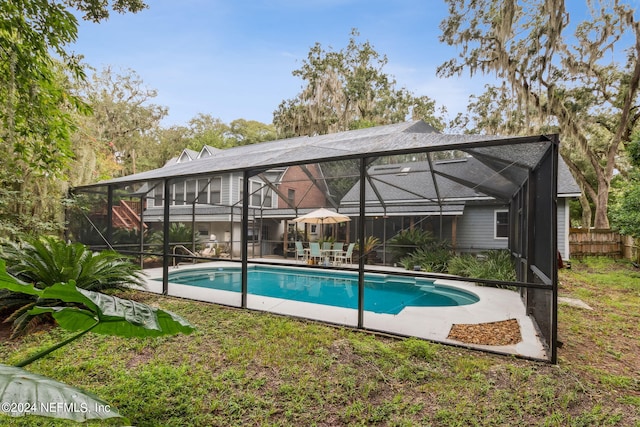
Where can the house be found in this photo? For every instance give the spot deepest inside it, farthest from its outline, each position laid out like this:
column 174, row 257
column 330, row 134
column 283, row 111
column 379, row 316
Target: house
column 213, row 203
column 462, row 196
column 460, row 208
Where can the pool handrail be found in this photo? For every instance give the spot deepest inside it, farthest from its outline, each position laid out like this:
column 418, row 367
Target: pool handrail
column 186, row 250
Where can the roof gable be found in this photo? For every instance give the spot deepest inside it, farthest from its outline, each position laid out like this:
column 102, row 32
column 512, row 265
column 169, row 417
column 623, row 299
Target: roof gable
column 208, row 151
column 187, row 155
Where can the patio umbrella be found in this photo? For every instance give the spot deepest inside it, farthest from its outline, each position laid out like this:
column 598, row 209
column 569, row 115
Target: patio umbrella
column 322, row 216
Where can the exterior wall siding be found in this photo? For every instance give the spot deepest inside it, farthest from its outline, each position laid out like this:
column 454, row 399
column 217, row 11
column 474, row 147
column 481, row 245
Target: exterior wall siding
column 230, row 189
column 563, row 227
column 476, row 228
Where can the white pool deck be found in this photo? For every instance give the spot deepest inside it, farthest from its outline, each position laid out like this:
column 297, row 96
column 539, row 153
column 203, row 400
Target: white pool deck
column 431, row 323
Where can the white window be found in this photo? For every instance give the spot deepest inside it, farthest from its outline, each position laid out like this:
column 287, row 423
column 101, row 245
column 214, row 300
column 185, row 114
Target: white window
column 215, row 187
column 191, row 186
column 256, row 194
column 501, row 229
column 268, row 197
column 260, row 194
column 178, row 193
column 154, row 197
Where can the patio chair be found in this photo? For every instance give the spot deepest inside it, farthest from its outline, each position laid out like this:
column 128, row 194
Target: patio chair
column 211, row 250
column 300, row 254
column 346, row 257
column 338, row 246
column 314, row 251
column 326, row 246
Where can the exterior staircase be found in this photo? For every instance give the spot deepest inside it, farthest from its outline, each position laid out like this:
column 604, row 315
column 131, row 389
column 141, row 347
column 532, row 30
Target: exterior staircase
column 125, row 216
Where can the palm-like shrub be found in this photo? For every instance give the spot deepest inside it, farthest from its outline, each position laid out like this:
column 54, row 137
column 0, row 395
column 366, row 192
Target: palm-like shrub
column 409, row 241
column 434, row 258
column 367, row 250
column 182, row 234
column 48, row 260
column 179, row 234
column 125, row 236
column 496, row 265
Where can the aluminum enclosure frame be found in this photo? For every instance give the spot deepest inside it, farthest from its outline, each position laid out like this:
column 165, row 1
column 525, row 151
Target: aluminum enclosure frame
column 532, row 200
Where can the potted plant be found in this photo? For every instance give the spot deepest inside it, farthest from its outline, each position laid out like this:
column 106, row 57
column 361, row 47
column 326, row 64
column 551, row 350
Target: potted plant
column 367, row 249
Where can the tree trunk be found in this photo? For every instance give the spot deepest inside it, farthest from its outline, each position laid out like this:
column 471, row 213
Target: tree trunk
column 586, row 211
column 602, row 205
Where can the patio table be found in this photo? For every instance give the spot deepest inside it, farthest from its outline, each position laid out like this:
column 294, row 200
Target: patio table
column 329, row 255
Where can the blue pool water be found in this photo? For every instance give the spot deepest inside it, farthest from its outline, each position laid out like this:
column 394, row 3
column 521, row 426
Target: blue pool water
column 382, row 294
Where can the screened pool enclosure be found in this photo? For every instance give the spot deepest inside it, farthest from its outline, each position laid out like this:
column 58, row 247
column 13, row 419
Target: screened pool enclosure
column 235, row 209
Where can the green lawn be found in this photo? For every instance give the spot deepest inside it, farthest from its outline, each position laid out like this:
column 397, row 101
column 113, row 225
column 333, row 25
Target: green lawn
column 250, row 368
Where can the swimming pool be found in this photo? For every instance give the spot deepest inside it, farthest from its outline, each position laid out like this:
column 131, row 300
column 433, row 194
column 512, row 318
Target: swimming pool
column 382, row 294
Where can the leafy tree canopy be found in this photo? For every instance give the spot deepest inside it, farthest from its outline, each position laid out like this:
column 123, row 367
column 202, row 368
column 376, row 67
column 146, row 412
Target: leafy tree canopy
column 348, row 89
column 98, row 10
column 36, row 103
column 205, row 129
column 576, row 77
column 121, row 134
column 625, row 211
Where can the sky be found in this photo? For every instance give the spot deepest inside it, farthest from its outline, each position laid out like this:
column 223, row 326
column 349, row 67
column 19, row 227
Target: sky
column 234, row 59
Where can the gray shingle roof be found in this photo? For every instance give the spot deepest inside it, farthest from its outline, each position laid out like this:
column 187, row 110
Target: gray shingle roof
column 494, row 169
column 407, row 183
column 406, row 137
column 459, row 180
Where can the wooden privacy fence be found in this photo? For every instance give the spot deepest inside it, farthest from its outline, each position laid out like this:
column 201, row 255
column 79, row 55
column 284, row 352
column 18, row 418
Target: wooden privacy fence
column 601, row 242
